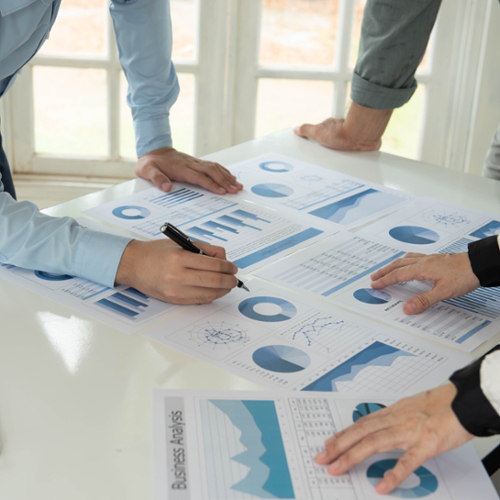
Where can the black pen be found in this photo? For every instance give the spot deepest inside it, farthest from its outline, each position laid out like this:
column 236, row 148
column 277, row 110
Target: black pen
column 170, row 231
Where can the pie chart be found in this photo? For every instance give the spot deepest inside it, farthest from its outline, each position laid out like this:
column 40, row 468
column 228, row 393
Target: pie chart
column 414, row 234
column 364, row 409
column 428, row 481
column 270, row 190
column 52, row 277
column 275, row 166
column 281, row 359
column 131, row 212
column 247, row 308
column 371, row 296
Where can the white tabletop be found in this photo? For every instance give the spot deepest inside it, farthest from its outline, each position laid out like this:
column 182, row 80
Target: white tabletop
column 75, row 394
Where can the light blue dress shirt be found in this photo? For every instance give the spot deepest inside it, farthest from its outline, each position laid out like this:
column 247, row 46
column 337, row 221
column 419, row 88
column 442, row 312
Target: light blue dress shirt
column 143, row 32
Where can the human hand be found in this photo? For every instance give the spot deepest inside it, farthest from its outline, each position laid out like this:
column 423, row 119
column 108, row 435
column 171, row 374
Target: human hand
column 165, row 165
column 451, row 274
column 361, row 130
column 423, row 426
column 163, row 270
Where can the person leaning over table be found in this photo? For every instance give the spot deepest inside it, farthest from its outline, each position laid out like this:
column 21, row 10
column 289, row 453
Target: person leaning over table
column 394, row 37
column 439, row 420
column 33, row 240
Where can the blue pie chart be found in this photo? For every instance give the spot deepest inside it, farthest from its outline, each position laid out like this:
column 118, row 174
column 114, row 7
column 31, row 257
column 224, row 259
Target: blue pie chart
column 247, row 308
column 281, row 359
column 428, row 481
column 414, row 234
column 52, row 277
column 371, row 296
column 275, row 166
column 364, row 409
column 136, row 212
column 270, row 190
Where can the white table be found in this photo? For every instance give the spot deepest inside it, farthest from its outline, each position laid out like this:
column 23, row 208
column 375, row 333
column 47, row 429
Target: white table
column 75, row 394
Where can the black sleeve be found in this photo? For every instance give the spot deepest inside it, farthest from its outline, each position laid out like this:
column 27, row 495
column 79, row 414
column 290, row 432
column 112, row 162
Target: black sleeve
column 484, row 256
column 470, row 405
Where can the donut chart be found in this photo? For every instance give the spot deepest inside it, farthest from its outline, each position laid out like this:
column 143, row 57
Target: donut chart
column 281, row 359
column 137, row 212
column 275, row 166
column 52, row 277
column 414, row 235
column 271, row 190
column 428, row 481
column 247, row 308
column 371, row 296
column 364, row 409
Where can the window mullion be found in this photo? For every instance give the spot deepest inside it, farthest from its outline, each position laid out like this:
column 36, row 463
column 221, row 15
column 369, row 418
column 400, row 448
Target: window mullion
column 113, row 97
column 345, row 24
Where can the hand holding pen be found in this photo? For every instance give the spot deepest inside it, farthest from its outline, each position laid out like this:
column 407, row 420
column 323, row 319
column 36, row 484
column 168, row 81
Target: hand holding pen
column 186, row 243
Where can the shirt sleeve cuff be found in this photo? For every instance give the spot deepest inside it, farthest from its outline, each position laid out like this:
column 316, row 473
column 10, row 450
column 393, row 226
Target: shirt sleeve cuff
column 372, row 95
column 152, row 134
column 98, row 256
column 484, row 256
column 490, row 379
column 472, row 408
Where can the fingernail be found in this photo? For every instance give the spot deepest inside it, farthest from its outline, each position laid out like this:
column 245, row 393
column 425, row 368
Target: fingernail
column 233, row 187
column 296, row 130
column 235, row 268
column 410, row 308
column 221, row 190
column 334, row 467
column 382, row 487
column 323, row 455
column 165, row 186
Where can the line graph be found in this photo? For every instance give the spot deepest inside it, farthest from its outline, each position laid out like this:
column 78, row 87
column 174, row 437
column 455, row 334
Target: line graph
column 217, row 335
column 319, row 327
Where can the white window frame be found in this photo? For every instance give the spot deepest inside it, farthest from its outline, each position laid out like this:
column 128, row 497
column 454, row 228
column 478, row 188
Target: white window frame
column 227, row 71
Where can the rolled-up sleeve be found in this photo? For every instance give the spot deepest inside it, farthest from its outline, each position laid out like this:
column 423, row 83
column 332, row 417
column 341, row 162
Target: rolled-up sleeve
column 37, row 241
column 394, row 37
column 144, row 36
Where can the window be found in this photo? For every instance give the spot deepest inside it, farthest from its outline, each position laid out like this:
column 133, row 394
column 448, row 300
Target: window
column 247, row 68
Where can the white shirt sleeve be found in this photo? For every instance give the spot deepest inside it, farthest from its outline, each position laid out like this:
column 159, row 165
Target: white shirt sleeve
column 490, row 379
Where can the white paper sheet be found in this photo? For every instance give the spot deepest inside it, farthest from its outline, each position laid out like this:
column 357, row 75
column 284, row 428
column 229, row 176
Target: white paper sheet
column 293, row 186
column 252, row 235
column 123, row 307
column 279, row 339
column 212, row 445
column 338, row 271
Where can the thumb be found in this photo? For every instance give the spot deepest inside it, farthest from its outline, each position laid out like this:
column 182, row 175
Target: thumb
column 306, row 130
column 423, row 301
column 159, row 179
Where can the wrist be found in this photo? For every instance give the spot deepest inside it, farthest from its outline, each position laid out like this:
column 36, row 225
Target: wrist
column 128, row 263
column 364, row 126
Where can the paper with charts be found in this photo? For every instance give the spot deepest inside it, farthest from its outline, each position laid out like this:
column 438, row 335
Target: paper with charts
column 212, row 445
column 293, row 186
column 338, row 271
column 279, row 339
column 252, row 235
column 122, row 307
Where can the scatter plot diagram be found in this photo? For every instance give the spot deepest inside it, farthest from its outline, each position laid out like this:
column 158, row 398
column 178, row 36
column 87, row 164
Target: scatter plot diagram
column 446, row 218
column 218, row 335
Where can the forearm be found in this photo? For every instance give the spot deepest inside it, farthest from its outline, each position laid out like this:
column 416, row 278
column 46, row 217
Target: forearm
column 144, row 37
column 364, row 126
column 36, row 241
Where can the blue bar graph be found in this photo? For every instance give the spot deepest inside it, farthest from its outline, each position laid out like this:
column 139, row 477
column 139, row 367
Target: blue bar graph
column 128, row 303
column 236, row 222
column 462, row 339
column 199, row 231
column 178, row 197
column 248, row 215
